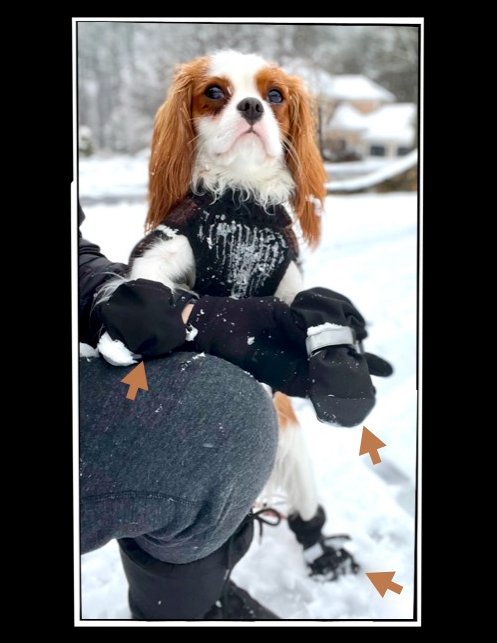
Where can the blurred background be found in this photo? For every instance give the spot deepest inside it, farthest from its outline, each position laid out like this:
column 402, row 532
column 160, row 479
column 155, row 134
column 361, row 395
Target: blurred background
column 365, row 80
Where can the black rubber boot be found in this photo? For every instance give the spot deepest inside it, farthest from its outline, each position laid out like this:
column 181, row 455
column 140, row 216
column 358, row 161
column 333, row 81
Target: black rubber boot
column 200, row 590
column 325, row 557
column 237, row 605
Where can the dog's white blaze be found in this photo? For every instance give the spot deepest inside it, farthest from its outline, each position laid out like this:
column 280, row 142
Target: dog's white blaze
column 240, row 69
column 228, row 157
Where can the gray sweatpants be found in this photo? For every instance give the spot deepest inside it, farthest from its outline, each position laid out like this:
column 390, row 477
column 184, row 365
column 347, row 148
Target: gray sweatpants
column 179, row 467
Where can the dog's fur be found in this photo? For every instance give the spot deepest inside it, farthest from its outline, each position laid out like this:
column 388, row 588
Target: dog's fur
column 207, row 138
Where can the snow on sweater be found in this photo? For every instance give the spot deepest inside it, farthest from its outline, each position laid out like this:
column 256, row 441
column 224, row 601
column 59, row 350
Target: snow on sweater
column 240, row 248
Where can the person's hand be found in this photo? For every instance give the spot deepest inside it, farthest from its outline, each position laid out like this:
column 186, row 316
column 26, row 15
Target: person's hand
column 145, row 316
column 259, row 334
column 341, row 389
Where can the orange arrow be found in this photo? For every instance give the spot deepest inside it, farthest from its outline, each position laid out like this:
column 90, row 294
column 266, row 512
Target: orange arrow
column 370, row 444
column 136, row 379
column 383, row 581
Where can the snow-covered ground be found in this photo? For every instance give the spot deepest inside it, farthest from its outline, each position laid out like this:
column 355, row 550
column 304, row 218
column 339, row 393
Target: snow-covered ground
column 368, row 252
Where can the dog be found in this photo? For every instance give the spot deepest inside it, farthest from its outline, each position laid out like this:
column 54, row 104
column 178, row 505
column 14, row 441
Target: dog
column 233, row 122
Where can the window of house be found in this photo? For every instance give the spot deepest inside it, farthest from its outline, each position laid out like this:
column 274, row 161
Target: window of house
column 402, row 150
column 377, row 150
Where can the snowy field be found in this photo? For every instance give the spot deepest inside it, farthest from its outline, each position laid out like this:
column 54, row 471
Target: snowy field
column 368, row 252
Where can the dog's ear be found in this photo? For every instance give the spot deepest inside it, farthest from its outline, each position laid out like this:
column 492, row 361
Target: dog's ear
column 305, row 163
column 173, row 148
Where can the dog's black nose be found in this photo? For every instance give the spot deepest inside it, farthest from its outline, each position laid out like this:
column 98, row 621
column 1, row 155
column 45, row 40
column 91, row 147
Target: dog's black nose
column 251, row 109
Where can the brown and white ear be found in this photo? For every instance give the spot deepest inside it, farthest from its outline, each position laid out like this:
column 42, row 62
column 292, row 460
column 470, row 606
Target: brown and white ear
column 305, row 163
column 173, row 149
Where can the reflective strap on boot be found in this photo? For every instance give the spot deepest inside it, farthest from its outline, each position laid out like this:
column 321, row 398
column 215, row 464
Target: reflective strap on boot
column 331, row 335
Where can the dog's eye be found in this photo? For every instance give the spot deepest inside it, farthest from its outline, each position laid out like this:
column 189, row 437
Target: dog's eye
column 274, row 96
column 214, row 92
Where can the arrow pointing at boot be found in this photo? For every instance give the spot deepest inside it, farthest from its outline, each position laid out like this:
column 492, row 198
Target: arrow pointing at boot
column 383, row 582
column 370, row 444
column 136, row 379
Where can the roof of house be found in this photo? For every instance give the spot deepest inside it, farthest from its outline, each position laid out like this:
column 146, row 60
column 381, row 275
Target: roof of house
column 357, row 87
column 340, row 86
column 391, row 123
column 346, row 117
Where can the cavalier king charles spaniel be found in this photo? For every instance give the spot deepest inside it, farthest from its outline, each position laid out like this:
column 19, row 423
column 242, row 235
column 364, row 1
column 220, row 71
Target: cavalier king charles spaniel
column 234, row 124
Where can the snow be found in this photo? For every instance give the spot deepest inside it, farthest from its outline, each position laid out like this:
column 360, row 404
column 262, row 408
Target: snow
column 340, row 86
column 368, row 252
column 384, row 172
column 85, row 350
column 357, row 87
column 105, row 177
column 391, row 123
column 191, row 333
column 316, row 330
column 317, row 80
column 387, row 124
column 115, row 352
column 347, row 117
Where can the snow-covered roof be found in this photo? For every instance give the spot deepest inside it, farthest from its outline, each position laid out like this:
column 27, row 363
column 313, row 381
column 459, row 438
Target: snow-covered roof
column 337, row 87
column 357, row 87
column 347, row 117
column 391, row 123
column 316, row 79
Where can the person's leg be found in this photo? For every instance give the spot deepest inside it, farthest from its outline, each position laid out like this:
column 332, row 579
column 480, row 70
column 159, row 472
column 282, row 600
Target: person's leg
column 177, row 469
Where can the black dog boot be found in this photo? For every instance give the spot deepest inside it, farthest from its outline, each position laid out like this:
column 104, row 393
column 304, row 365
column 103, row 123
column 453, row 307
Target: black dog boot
column 200, row 590
column 341, row 389
column 324, row 555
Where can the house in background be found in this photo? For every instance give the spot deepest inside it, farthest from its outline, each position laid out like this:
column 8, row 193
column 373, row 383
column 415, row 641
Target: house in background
column 357, row 118
column 386, row 132
column 354, row 89
column 390, row 131
column 343, row 135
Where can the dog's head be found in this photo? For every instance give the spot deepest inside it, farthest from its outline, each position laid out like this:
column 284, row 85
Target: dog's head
column 232, row 120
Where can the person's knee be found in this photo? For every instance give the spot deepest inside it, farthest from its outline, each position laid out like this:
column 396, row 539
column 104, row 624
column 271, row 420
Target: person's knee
column 226, row 459
column 235, row 415
column 199, row 445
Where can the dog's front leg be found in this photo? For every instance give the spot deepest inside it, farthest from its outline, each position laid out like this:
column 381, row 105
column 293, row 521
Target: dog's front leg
column 162, row 256
column 290, row 285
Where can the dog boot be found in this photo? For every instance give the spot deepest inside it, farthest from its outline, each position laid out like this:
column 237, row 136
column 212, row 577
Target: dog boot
column 325, row 556
column 341, row 389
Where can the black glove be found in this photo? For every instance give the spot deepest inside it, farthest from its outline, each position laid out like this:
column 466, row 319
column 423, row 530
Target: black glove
column 146, row 316
column 259, row 334
column 341, row 389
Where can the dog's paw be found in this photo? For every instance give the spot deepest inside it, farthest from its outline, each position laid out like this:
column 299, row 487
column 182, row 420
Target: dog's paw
column 327, row 560
column 115, row 352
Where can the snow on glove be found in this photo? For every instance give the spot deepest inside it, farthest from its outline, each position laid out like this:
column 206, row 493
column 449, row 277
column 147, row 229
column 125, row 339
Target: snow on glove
column 142, row 318
column 340, row 384
column 259, row 334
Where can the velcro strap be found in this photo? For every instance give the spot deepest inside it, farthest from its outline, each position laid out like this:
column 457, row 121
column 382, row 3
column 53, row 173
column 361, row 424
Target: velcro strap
column 336, row 336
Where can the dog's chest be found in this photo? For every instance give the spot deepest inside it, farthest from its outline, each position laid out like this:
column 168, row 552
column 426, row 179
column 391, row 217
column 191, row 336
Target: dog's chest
column 239, row 250
column 237, row 258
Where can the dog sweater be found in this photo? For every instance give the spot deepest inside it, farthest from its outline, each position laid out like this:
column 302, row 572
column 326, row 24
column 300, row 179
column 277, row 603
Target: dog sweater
column 241, row 249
